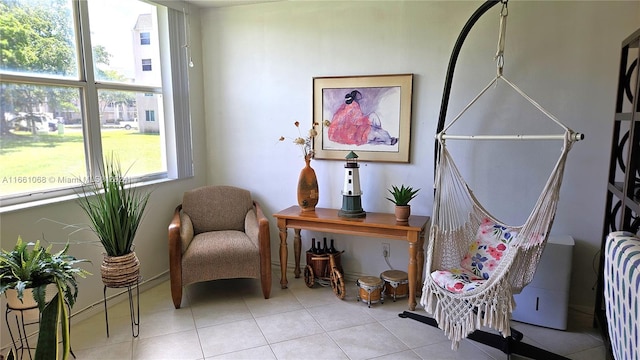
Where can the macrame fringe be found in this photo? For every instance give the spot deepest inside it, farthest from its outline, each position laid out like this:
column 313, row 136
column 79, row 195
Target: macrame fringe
column 459, row 317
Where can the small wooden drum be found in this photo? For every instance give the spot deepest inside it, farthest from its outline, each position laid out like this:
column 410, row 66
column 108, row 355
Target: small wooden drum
column 396, row 283
column 370, row 290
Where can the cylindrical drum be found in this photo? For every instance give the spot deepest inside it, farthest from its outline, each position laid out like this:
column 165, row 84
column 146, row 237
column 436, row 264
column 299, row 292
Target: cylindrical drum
column 396, row 283
column 370, row 290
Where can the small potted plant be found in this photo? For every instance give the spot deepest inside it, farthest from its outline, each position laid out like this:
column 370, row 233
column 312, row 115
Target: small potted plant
column 26, row 272
column 115, row 211
column 401, row 197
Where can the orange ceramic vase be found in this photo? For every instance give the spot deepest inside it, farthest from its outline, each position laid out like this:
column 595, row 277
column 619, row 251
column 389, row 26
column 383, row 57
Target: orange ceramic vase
column 307, row 187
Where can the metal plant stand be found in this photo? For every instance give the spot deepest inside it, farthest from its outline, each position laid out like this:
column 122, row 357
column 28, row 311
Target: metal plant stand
column 20, row 342
column 134, row 312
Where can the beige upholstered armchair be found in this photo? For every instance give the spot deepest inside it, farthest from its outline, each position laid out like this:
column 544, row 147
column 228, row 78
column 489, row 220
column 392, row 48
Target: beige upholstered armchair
column 218, row 232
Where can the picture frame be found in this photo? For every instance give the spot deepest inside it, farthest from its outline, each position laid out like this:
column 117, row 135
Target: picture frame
column 369, row 115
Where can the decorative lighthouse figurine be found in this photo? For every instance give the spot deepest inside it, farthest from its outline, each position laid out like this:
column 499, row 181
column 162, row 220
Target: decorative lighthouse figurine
column 351, row 194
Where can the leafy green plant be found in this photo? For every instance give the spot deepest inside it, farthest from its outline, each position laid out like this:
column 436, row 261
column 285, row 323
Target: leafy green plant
column 402, row 195
column 114, row 208
column 29, row 265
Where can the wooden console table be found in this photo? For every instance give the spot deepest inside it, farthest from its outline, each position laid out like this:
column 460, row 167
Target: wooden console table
column 378, row 225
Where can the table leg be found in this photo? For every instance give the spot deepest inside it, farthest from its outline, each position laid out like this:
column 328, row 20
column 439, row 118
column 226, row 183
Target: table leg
column 412, row 275
column 420, row 259
column 296, row 251
column 283, row 256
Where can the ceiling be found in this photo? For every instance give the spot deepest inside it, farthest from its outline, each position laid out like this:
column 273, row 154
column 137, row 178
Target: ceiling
column 225, row 3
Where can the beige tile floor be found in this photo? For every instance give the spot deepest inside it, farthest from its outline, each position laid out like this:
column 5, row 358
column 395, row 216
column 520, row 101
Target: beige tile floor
column 229, row 319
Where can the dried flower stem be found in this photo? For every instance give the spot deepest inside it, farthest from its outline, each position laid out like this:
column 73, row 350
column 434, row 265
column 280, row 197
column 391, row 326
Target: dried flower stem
column 305, row 143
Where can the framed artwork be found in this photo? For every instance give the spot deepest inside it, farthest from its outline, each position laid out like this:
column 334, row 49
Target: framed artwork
column 369, row 115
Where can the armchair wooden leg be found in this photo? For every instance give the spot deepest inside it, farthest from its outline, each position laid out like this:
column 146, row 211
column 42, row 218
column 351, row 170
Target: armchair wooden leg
column 176, row 294
column 265, row 281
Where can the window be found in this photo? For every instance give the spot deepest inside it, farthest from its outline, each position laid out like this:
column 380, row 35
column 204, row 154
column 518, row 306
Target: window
column 145, row 38
column 150, row 115
column 59, row 119
column 146, row 64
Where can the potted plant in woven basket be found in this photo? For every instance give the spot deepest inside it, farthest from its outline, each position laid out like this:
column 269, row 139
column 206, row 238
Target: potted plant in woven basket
column 26, row 274
column 401, row 197
column 115, row 211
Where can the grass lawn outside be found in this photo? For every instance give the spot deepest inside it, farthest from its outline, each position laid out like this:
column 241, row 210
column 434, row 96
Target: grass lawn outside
column 31, row 163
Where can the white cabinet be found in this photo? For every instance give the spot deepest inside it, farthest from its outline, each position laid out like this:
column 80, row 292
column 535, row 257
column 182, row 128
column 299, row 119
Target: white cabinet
column 545, row 301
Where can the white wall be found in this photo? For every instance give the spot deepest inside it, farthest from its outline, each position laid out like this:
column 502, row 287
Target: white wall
column 260, row 61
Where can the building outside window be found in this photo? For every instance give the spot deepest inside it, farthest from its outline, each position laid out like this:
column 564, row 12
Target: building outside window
column 145, row 38
column 146, row 64
column 47, row 101
column 150, row 115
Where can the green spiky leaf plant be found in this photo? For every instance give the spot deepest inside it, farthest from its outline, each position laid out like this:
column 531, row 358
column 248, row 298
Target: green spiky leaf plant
column 114, row 208
column 402, row 195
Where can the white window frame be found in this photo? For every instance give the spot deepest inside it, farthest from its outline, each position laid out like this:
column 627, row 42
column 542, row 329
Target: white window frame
column 175, row 91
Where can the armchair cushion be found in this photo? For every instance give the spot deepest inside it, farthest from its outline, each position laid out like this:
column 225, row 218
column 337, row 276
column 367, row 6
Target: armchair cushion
column 220, row 255
column 214, row 208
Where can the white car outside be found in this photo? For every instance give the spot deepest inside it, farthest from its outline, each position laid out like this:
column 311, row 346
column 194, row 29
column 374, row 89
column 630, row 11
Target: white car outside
column 128, row 125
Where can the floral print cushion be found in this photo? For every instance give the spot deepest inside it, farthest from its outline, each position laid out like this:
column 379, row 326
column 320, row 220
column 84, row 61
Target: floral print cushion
column 456, row 280
column 486, row 251
column 481, row 260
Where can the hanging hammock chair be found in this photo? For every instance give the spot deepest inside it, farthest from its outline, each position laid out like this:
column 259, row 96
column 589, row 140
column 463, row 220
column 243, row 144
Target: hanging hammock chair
column 476, row 263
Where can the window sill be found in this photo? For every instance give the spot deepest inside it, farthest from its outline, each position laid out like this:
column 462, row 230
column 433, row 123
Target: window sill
column 63, row 198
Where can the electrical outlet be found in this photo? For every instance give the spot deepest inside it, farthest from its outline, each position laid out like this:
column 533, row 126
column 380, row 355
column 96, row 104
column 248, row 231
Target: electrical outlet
column 386, row 250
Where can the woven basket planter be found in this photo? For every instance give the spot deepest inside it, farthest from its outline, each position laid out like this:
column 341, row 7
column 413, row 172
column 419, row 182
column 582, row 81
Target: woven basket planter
column 120, row 271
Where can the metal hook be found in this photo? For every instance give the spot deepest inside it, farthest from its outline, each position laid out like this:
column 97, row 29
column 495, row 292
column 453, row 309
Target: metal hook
column 504, row 12
column 500, row 64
